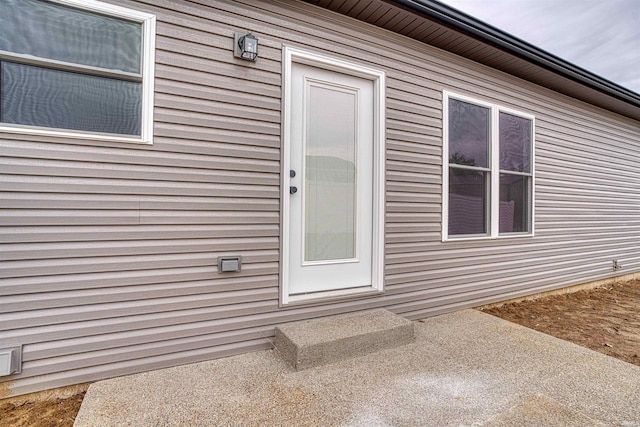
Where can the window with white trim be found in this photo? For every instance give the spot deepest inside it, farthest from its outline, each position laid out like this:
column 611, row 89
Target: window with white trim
column 488, row 170
column 78, row 68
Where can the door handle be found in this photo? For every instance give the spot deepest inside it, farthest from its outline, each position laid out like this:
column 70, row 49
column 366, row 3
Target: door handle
column 292, row 189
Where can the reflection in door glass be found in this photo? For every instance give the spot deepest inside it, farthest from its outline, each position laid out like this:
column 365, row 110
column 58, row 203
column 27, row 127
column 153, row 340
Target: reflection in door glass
column 330, row 175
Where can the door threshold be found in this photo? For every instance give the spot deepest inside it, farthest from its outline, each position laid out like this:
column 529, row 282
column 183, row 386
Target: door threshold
column 325, row 296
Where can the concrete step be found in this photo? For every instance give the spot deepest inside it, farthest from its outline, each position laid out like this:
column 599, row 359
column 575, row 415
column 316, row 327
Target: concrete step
column 327, row 340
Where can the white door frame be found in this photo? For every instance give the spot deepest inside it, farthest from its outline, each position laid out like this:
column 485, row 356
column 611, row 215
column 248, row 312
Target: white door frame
column 293, row 55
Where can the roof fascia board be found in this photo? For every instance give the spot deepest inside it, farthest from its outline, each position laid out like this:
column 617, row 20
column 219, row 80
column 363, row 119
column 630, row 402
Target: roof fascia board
column 487, row 33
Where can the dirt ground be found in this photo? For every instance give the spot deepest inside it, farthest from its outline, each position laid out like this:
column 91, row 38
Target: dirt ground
column 47, row 413
column 604, row 319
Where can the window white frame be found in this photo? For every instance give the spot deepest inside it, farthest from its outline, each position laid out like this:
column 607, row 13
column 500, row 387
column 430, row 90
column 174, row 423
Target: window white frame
column 148, row 22
column 291, row 55
column 494, row 170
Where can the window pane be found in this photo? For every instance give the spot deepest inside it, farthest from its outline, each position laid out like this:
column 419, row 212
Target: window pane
column 468, row 201
column 469, row 126
column 515, row 143
column 514, row 203
column 53, row 31
column 330, row 175
column 38, row 96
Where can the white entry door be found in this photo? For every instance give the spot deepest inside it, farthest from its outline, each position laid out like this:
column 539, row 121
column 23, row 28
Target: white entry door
column 331, row 187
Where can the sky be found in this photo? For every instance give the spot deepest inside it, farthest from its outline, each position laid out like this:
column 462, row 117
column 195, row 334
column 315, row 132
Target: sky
column 601, row 36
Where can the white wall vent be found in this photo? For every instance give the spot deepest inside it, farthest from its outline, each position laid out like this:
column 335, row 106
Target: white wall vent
column 10, row 361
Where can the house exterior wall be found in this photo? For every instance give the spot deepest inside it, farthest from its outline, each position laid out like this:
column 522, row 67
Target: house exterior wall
column 109, row 249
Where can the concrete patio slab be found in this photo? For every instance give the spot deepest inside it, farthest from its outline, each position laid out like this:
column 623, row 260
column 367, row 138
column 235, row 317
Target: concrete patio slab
column 542, row 411
column 464, row 369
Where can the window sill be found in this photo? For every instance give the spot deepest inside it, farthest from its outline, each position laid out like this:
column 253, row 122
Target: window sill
column 500, row 237
column 89, row 136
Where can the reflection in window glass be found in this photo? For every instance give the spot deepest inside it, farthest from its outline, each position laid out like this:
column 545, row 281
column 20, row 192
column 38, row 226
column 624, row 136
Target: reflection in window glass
column 53, row 31
column 467, row 201
column 38, row 96
column 515, row 143
column 469, row 127
column 514, row 203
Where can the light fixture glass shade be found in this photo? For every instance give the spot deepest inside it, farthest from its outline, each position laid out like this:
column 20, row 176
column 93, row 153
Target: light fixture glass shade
column 248, row 45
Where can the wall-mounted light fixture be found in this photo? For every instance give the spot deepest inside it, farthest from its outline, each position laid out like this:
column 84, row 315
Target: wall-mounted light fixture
column 245, row 46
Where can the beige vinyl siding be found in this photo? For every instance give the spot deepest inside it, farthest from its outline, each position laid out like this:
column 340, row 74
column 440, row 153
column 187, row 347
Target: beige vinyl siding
column 109, row 249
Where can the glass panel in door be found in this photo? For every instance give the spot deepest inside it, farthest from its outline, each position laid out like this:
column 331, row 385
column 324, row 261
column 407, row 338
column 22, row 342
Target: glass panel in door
column 330, row 200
